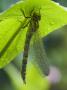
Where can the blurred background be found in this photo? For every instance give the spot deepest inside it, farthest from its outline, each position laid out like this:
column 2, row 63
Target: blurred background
column 55, row 45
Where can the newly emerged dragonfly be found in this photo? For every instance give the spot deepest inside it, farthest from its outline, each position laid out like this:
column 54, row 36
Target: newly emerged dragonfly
column 33, row 29
column 38, row 49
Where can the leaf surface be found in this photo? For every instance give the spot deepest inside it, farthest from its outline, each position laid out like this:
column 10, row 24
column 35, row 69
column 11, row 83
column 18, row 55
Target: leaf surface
column 51, row 19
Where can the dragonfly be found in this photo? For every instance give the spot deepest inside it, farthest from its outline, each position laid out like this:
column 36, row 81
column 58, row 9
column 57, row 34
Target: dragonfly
column 32, row 22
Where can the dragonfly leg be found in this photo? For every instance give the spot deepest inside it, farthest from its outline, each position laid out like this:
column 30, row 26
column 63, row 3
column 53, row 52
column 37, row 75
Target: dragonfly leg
column 24, row 13
column 25, row 25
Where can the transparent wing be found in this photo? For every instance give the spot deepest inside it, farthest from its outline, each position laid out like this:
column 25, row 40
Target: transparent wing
column 12, row 40
column 39, row 55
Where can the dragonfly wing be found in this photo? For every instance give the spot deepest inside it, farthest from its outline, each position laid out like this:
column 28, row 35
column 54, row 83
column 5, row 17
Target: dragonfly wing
column 12, row 40
column 39, row 54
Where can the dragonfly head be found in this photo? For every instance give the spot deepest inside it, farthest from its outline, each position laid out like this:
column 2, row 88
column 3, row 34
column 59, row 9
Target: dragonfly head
column 36, row 17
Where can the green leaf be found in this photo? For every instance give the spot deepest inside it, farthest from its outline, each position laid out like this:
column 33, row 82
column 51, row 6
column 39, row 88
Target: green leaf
column 8, row 28
column 51, row 19
column 54, row 16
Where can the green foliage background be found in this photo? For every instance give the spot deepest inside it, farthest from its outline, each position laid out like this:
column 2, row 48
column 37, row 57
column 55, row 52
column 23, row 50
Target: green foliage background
column 51, row 24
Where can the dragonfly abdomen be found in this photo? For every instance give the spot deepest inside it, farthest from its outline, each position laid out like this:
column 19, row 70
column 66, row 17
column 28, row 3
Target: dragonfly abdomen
column 25, row 54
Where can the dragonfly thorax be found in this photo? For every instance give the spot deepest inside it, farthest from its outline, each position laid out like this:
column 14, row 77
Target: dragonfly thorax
column 36, row 17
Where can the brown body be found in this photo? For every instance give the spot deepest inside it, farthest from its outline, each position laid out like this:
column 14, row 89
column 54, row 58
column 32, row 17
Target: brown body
column 33, row 26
